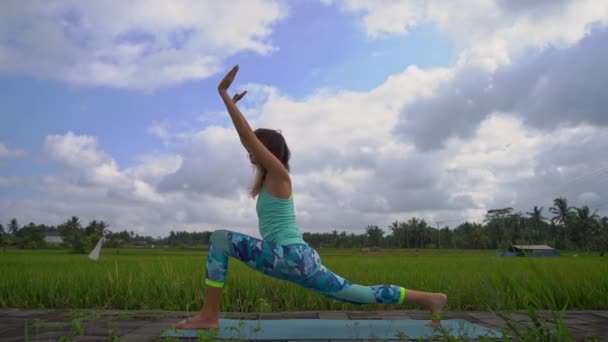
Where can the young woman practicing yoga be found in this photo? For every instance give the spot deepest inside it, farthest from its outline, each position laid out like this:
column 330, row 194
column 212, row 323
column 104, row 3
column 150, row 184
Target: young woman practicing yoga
column 282, row 253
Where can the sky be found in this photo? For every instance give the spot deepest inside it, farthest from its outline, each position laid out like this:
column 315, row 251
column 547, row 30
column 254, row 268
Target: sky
column 433, row 109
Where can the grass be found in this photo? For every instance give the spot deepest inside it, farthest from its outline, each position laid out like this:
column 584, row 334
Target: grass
column 171, row 279
column 138, row 279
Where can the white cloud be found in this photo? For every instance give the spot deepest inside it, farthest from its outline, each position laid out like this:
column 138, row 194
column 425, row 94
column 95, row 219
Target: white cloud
column 350, row 165
column 206, row 187
column 368, row 117
column 76, row 151
column 90, row 167
column 215, row 164
column 160, row 130
column 12, row 181
column 344, row 177
column 509, row 33
column 340, row 179
column 501, row 151
column 385, row 17
column 151, row 168
column 138, row 207
column 589, row 197
column 167, row 132
column 6, row 152
column 135, row 44
column 487, row 33
column 565, row 164
column 558, row 86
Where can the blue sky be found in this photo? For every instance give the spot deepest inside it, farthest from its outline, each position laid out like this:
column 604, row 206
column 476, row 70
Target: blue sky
column 319, row 47
column 85, row 91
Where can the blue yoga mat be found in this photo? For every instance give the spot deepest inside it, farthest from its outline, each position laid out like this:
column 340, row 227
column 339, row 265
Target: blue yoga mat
column 310, row 329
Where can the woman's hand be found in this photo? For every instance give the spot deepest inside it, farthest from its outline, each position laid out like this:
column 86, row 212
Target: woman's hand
column 238, row 96
column 227, row 81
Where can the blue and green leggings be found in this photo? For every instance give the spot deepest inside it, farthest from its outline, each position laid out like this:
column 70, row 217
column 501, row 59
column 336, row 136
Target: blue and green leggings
column 297, row 263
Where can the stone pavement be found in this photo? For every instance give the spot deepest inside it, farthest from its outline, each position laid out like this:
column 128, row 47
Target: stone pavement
column 147, row 325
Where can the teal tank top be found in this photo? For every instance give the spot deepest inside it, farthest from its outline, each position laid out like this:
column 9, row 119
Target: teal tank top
column 277, row 219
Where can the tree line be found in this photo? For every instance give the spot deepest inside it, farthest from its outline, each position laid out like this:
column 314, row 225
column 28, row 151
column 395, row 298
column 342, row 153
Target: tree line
column 566, row 227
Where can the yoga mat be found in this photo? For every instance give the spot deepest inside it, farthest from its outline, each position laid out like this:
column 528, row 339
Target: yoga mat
column 310, row 329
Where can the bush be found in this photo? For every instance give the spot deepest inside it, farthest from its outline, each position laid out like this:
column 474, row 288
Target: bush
column 76, row 241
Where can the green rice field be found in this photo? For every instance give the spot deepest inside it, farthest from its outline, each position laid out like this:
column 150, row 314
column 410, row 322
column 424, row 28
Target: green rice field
column 173, row 279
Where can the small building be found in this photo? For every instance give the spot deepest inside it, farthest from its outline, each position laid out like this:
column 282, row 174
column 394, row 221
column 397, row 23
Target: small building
column 530, row 250
column 53, row 237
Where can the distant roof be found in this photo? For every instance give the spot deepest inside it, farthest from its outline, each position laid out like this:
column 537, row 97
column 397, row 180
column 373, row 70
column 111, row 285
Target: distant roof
column 533, row 247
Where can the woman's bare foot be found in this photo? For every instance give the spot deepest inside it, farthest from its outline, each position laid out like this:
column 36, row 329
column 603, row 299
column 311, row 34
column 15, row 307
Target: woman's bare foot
column 199, row 322
column 438, row 301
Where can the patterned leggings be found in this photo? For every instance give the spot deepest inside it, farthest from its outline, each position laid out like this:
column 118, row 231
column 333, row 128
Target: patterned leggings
column 297, row 263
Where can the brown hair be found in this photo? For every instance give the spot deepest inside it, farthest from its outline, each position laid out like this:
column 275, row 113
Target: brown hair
column 275, row 143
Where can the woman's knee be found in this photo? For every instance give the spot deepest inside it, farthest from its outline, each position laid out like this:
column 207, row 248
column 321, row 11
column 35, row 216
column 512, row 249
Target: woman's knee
column 219, row 239
column 219, row 234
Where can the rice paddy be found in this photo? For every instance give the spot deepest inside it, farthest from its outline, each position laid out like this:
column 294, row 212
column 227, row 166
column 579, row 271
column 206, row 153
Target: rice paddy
column 173, row 279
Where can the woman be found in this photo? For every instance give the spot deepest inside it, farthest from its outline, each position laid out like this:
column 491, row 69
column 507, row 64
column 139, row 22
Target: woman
column 282, row 253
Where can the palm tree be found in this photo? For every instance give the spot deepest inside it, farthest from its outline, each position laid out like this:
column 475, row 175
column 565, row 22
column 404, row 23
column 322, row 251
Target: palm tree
column 375, row 235
column 586, row 222
column 496, row 218
column 399, row 232
column 74, row 223
column 561, row 212
column 423, row 230
column 537, row 219
column 342, row 239
column 602, row 240
column 13, row 226
column 583, row 213
column 406, row 227
column 91, row 228
column 103, row 228
column 413, row 225
column 477, row 237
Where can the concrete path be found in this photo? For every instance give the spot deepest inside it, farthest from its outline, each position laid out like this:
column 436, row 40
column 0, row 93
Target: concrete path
column 147, row 325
